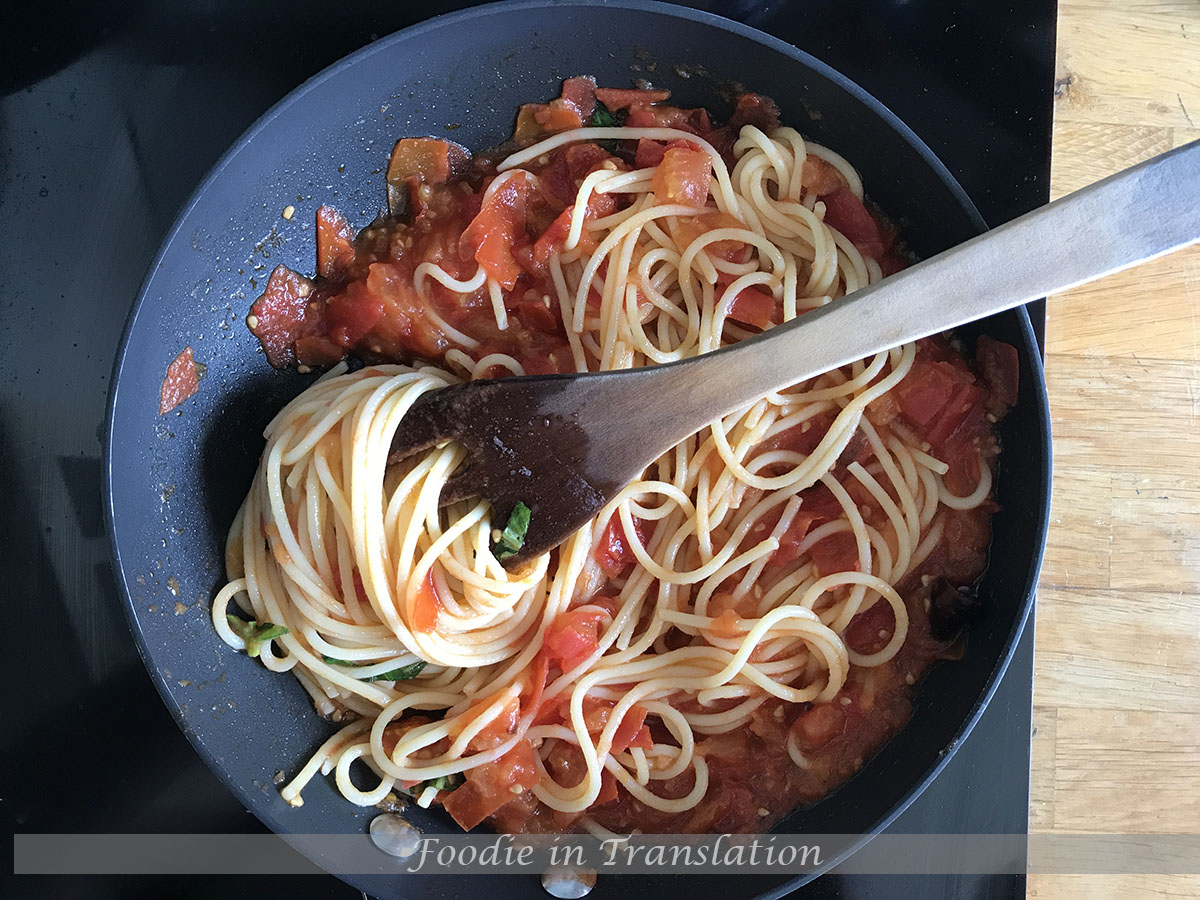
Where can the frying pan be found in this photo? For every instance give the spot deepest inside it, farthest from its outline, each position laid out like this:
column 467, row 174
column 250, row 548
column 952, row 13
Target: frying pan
column 174, row 482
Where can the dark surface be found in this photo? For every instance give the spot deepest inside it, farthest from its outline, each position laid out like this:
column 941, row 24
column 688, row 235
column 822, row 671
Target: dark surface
column 104, row 134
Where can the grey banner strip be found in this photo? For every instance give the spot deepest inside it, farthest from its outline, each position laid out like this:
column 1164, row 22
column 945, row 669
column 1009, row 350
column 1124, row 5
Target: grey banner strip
column 951, row 854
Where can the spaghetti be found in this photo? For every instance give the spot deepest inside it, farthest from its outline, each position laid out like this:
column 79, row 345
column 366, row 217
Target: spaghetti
column 716, row 600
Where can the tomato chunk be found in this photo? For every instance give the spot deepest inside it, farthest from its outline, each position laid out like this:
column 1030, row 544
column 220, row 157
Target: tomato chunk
column 574, row 636
column 649, row 153
column 617, row 98
column 1000, row 367
column 836, row 553
column 490, row 786
column 847, row 214
column 335, row 243
column 494, row 232
column 580, row 92
column 939, row 396
column 427, row 605
column 280, row 316
column 870, row 630
column 613, row 553
column 429, row 160
column 815, row 728
column 683, row 177
column 181, row 382
column 753, row 306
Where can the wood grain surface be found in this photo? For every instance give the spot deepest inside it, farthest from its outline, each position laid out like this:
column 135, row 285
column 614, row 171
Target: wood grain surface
column 1116, row 747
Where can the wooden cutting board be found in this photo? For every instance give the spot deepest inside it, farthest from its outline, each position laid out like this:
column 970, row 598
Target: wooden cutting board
column 1116, row 747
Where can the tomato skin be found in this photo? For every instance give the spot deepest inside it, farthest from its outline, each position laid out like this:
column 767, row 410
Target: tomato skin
column 683, row 177
column 847, row 214
column 488, row 787
column 335, row 243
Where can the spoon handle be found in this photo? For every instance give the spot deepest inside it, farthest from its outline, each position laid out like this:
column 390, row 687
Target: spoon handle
column 1128, row 218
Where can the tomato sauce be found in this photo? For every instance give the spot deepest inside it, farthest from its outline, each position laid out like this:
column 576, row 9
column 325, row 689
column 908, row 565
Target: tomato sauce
column 363, row 302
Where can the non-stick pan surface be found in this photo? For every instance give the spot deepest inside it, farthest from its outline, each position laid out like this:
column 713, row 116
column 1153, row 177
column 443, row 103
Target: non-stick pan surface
column 174, row 482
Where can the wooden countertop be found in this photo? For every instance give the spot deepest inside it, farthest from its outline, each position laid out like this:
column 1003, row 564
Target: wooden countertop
column 1116, row 747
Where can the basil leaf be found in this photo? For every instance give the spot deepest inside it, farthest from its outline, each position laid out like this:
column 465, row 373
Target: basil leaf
column 254, row 634
column 404, row 673
column 512, row 539
column 441, row 783
column 602, row 117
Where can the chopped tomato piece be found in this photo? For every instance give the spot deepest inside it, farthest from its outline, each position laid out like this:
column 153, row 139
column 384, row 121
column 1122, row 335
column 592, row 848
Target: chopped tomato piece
column 492, row 234
column 820, row 177
column 836, row 553
column 939, row 396
column 574, row 636
column 557, row 115
column 554, row 237
column 870, row 630
column 790, row 540
column 614, row 554
column 317, row 350
column 427, row 605
column 617, row 98
column 580, row 92
column 1000, row 367
column 501, row 728
column 429, row 160
column 555, row 362
column 847, row 214
column 352, row 313
column 649, row 153
column 490, row 786
column 683, row 177
column 335, row 242
column 688, row 228
column 816, row 727
column 756, row 110
column 753, row 306
column 281, row 314
column 608, row 789
column 180, row 382
column 630, row 729
column 537, row 315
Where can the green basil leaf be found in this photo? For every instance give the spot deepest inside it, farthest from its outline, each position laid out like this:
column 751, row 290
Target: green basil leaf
column 512, row 538
column 254, row 634
column 602, row 117
column 404, row 673
column 442, row 783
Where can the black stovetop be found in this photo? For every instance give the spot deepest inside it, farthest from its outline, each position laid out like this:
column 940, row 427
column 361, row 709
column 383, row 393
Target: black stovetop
column 108, row 120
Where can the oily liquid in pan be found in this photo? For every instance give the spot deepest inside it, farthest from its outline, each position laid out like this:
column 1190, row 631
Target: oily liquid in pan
column 764, row 594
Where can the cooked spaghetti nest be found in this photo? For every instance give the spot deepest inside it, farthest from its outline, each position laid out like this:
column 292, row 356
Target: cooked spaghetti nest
column 332, row 510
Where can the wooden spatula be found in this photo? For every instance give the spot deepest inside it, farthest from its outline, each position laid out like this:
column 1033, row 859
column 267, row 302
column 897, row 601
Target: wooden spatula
column 564, row 445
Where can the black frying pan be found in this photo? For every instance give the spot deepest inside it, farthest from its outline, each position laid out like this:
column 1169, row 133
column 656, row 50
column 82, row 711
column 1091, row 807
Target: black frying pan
column 174, row 482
